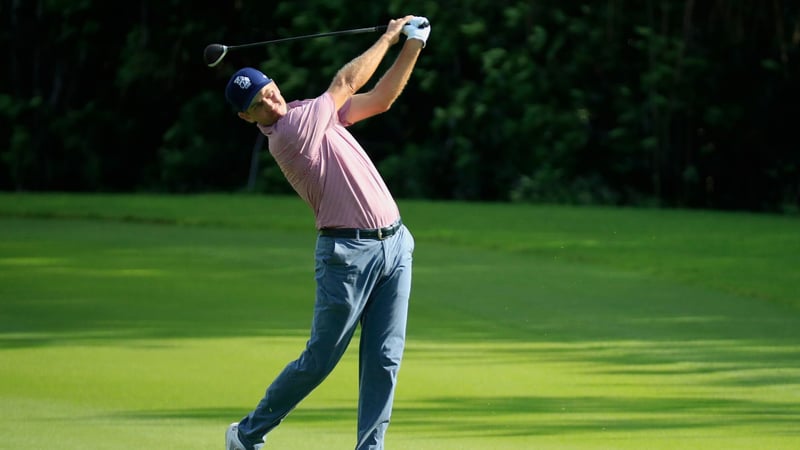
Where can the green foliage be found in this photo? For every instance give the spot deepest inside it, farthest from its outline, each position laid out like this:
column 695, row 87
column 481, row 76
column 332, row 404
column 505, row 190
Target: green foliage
column 17, row 157
column 190, row 159
column 655, row 102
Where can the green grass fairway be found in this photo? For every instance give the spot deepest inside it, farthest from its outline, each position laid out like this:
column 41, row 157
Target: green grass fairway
column 145, row 322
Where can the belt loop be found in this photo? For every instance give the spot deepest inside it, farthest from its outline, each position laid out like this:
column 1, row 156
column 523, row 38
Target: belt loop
column 358, row 233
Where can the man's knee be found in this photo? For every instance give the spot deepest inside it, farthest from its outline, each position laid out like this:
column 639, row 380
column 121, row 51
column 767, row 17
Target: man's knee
column 316, row 364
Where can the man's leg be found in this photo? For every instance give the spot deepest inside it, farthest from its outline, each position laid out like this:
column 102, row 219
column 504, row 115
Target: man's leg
column 383, row 332
column 342, row 275
column 323, row 351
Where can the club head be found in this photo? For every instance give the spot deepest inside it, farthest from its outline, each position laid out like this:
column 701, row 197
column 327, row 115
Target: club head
column 214, row 53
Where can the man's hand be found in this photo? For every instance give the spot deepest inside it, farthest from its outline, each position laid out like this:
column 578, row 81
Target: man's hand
column 395, row 27
column 418, row 28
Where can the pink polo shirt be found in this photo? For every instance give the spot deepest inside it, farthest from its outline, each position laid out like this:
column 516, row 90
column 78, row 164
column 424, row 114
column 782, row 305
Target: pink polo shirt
column 328, row 168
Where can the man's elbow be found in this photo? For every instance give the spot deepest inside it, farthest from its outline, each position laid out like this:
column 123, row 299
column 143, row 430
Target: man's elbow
column 343, row 86
column 383, row 107
column 384, row 101
column 379, row 103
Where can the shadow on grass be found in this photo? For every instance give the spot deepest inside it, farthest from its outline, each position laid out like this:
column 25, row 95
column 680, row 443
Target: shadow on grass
column 534, row 416
column 301, row 414
column 520, row 416
column 631, row 357
column 66, row 281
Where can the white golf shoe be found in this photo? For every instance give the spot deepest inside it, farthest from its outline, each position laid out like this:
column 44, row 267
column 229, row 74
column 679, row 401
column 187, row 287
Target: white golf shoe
column 232, row 441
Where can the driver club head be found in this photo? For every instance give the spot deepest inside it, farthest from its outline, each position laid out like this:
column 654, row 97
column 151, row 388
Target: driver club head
column 214, row 53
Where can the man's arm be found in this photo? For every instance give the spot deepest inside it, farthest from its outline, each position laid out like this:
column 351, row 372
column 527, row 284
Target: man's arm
column 380, row 98
column 389, row 87
column 355, row 74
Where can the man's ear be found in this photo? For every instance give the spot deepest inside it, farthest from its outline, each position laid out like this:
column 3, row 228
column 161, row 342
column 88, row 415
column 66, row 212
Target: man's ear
column 244, row 116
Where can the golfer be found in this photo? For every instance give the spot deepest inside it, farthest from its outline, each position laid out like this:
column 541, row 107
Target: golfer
column 363, row 251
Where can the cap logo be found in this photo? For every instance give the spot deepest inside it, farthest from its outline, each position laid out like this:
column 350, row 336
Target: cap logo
column 243, row 82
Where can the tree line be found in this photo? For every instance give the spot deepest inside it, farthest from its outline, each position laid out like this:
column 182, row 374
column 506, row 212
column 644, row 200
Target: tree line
column 672, row 103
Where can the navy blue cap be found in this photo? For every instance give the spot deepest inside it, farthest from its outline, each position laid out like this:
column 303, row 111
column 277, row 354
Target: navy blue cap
column 243, row 86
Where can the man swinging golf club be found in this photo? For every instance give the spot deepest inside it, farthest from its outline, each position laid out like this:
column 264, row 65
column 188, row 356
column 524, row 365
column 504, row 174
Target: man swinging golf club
column 363, row 252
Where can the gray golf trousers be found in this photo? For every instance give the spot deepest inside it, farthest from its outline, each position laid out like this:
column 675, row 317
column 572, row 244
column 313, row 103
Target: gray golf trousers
column 359, row 281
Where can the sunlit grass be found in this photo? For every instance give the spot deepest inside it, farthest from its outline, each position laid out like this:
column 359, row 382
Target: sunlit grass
column 148, row 322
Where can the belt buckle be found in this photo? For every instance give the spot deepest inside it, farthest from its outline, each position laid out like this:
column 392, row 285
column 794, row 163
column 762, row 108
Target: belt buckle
column 380, row 234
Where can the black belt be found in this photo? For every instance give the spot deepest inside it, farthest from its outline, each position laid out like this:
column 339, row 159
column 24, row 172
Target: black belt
column 357, row 233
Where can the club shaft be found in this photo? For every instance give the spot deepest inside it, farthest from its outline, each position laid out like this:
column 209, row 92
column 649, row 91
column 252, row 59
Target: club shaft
column 309, row 36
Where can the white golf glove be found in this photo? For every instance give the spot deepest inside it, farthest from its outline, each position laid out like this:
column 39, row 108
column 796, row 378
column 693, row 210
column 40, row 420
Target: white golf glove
column 418, row 28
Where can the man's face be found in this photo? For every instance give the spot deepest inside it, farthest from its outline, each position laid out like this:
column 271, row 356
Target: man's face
column 267, row 106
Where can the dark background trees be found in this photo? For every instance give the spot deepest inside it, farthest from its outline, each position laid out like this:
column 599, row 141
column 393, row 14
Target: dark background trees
column 654, row 102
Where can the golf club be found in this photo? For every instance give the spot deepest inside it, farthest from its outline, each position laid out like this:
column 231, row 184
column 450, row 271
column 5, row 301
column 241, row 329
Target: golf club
column 214, row 53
